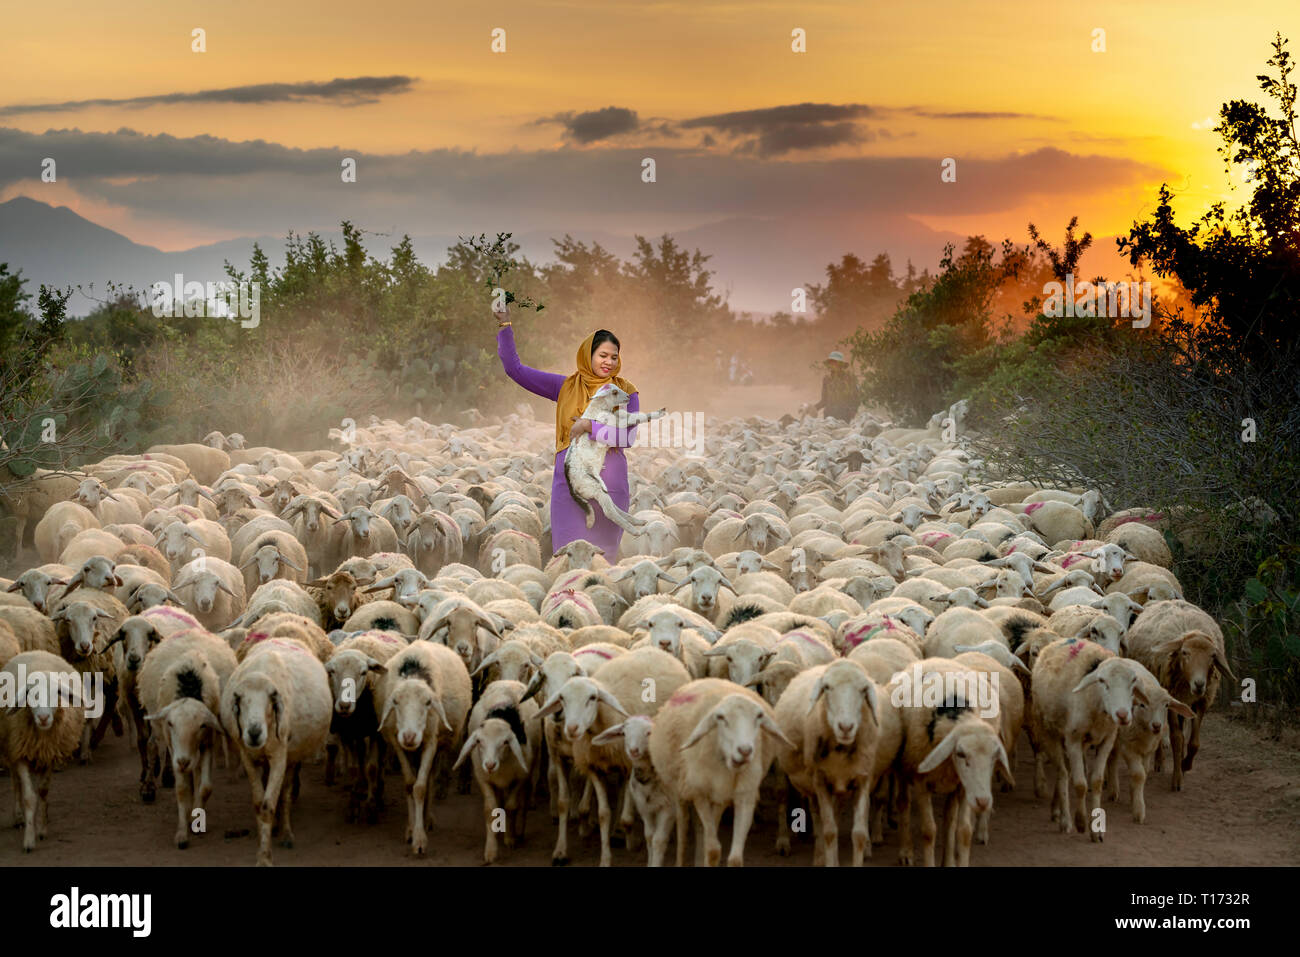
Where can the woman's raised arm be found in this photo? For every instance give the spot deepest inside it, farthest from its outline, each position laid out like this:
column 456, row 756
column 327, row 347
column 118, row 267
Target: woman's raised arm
column 545, row 384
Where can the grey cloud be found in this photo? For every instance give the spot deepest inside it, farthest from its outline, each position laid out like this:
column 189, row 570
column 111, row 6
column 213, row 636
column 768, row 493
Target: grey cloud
column 594, row 125
column 342, row 91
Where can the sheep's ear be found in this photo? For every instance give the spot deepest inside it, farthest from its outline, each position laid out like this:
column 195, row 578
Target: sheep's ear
column 942, row 751
column 1090, row 679
column 608, row 735
column 768, row 724
column 704, row 727
column 436, row 704
column 818, row 690
column 161, row 715
column 1004, row 763
column 376, row 666
column 470, row 742
column 488, row 661
column 551, row 706
column 1140, row 696
column 1221, row 663
column 1177, row 707
column 534, row 686
column 613, row 702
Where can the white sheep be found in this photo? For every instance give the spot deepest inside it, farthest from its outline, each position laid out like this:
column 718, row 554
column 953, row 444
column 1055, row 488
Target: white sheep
column 424, row 701
column 708, row 749
column 586, row 457
column 1138, row 740
column 276, row 706
column 830, row 712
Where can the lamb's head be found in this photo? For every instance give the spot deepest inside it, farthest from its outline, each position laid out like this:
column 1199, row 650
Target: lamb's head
column 744, row 658
column 759, row 533
column 349, row 672
column 1193, row 657
column 606, row 399
column 412, row 707
column 137, row 635
column 635, row 733
column 258, row 712
column 494, row 741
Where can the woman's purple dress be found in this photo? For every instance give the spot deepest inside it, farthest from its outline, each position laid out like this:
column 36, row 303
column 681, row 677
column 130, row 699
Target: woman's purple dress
column 568, row 523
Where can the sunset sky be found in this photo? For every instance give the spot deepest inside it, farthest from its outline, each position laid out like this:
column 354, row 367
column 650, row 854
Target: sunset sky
column 174, row 148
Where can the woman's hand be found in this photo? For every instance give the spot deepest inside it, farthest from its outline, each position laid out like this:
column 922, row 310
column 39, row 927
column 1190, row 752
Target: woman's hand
column 502, row 316
column 578, row 426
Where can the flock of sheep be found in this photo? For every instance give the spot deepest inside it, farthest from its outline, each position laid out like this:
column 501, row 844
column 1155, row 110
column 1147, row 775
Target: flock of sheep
column 387, row 607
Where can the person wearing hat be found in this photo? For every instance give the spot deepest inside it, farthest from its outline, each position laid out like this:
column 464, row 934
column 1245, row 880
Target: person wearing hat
column 839, row 389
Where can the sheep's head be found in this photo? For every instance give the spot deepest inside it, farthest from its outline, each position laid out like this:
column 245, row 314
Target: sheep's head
column 81, row 619
column 558, row 668
column 736, row 724
column 189, row 726
column 514, row 661
column 349, row 673
column 759, row 532
column 35, row 586
column 1152, row 715
column 495, row 743
column 645, row 576
column 580, row 698
column 206, row 584
column 258, row 712
column 850, row 700
column 889, row 556
column 412, row 707
column 635, row 735
column 406, row 584
column 339, row 594
column 1108, row 561
column 1116, row 683
column 177, row 542
column 91, row 492
column 705, row 582
column 360, row 518
column 666, row 631
column 607, row 398
column 745, row 659
column 1105, row 631
column 1193, row 657
column 137, row 635
column 269, row 562
column 95, row 572
column 976, row 753
column 580, row 553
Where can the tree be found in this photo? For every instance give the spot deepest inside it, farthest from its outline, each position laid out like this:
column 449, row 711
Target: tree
column 1241, row 268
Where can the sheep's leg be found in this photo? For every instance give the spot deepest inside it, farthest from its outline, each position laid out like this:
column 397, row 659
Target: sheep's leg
column 1040, row 772
column 184, row 807
column 656, row 836
column 18, row 799
column 741, row 819
column 489, row 811
column 269, row 806
column 783, row 832
column 28, row 804
column 142, row 735
column 1060, row 799
column 1095, row 778
column 286, row 809
column 1176, row 745
column 206, row 762
column 1111, row 791
column 1194, row 741
column 928, row 829
column 1079, row 784
column 627, row 816
column 584, row 809
column 964, row 815
column 83, row 752
column 408, row 779
column 560, row 856
column 829, row 830
column 905, row 852
column 679, row 816
column 603, row 816
column 982, row 826
column 1137, row 786
column 331, row 759
column 419, row 797
column 710, row 817
column 861, row 817
column 43, row 803
column 951, row 816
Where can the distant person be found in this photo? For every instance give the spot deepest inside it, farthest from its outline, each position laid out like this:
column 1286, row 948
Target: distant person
column 839, row 389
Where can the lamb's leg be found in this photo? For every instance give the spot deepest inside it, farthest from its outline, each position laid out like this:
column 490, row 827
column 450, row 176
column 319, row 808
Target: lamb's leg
column 489, row 809
column 408, row 780
column 929, row 830
column 657, row 838
column 142, row 736
column 1095, row 778
column 18, row 799
column 615, row 514
column 1079, row 784
column 1194, row 741
column 951, row 815
column 679, row 817
column 963, row 834
column 905, row 852
column 783, row 833
column 286, row 810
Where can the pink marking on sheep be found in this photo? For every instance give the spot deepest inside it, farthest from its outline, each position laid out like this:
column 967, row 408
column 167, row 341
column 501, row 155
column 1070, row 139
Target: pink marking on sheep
column 594, row 651
column 1033, row 507
column 1076, row 646
column 1072, row 559
column 682, row 697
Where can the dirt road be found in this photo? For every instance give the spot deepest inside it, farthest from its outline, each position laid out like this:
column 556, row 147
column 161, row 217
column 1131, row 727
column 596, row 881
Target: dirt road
column 1241, row 806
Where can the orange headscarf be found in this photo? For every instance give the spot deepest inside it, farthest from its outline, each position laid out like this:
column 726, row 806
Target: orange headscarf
column 578, row 389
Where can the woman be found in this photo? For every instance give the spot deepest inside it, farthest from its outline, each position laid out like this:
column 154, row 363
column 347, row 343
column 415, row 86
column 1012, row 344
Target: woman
column 598, row 363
